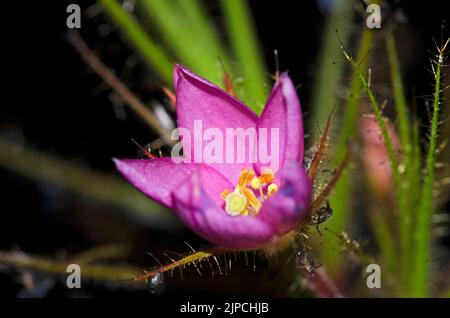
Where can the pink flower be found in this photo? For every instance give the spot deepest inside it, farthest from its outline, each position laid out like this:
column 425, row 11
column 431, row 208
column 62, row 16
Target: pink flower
column 374, row 153
column 237, row 205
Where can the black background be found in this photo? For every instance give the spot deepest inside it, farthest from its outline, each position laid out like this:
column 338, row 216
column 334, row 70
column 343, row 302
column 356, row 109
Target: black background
column 52, row 101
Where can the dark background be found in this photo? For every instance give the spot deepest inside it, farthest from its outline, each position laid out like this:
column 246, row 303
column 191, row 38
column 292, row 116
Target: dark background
column 54, row 103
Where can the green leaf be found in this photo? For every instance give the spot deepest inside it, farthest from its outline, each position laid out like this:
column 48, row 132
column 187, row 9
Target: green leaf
column 330, row 67
column 410, row 186
column 42, row 167
column 184, row 28
column 341, row 196
column 152, row 52
column 421, row 274
column 247, row 53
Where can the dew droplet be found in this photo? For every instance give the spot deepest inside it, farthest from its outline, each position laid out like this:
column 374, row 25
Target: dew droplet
column 156, row 283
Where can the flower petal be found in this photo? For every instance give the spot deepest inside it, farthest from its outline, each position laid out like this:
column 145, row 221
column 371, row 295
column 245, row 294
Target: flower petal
column 159, row 177
column 290, row 204
column 200, row 100
column 203, row 216
column 175, row 77
column 283, row 111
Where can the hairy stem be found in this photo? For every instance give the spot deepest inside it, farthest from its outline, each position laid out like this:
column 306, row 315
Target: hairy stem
column 104, row 273
column 131, row 99
column 423, row 239
column 41, row 167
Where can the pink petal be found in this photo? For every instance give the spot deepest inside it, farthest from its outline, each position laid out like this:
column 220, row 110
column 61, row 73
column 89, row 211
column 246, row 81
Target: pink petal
column 198, row 99
column 203, row 216
column 158, row 178
column 175, row 77
column 290, row 204
column 283, row 111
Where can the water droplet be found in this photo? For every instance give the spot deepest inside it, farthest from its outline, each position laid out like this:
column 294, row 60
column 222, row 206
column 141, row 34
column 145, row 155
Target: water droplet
column 307, row 160
column 156, row 283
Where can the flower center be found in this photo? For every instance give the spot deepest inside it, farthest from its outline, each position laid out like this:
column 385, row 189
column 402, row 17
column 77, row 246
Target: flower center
column 250, row 192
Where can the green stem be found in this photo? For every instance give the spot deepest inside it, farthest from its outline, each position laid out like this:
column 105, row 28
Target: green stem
column 384, row 239
column 185, row 37
column 42, row 167
column 399, row 95
column 101, row 253
column 421, row 274
column 202, row 25
column 330, row 66
column 446, row 294
column 398, row 187
column 382, row 124
column 146, row 46
column 105, row 273
column 247, row 52
column 409, row 188
column 342, row 191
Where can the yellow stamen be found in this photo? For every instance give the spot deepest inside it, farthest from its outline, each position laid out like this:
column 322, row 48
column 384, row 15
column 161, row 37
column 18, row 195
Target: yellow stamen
column 245, row 177
column 236, row 203
column 255, row 183
column 224, row 194
column 267, row 176
column 243, row 200
column 271, row 189
column 252, row 199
